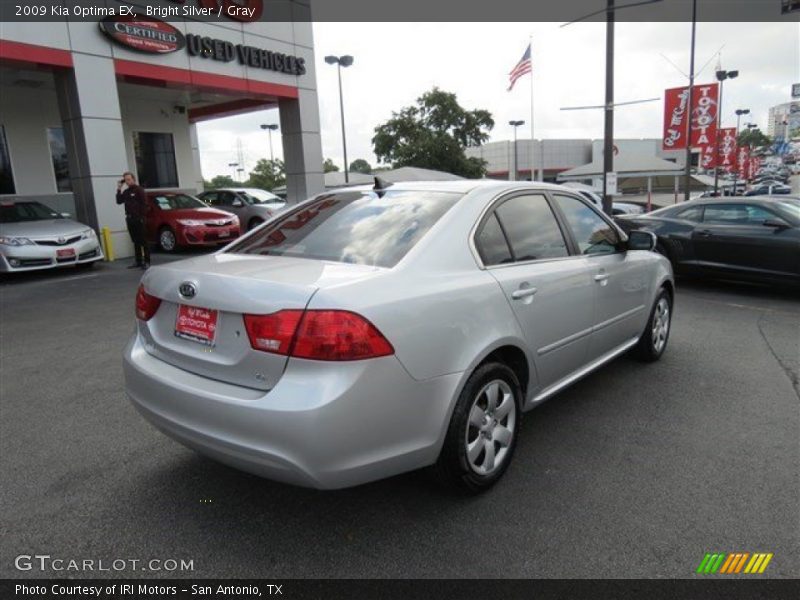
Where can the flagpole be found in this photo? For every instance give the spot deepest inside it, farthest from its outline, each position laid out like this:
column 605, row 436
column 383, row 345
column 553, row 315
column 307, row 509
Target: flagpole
column 533, row 145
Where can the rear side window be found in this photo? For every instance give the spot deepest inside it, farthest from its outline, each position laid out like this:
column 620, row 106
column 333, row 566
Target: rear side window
column 531, row 228
column 491, row 243
column 592, row 233
column 365, row 228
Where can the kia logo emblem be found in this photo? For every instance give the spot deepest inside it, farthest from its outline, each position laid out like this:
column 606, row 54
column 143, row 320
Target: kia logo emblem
column 187, row 289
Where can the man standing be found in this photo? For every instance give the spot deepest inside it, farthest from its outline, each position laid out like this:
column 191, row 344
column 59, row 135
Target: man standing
column 135, row 201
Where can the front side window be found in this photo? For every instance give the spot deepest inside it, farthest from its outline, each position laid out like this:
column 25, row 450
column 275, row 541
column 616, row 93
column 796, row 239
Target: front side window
column 736, row 214
column 58, row 154
column 155, row 159
column 593, row 234
column 532, row 229
column 176, row 202
column 6, row 176
column 365, row 228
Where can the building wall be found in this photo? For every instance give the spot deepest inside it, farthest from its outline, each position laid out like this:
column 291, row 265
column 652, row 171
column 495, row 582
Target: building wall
column 26, row 113
column 99, row 113
column 788, row 111
column 560, row 155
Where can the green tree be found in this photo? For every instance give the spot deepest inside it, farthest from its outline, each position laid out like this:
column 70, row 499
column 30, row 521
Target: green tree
column 329, row 166
column 220, row 181
column 753, row 137
column 267, row 174
column 359, row 165
column 433, row 135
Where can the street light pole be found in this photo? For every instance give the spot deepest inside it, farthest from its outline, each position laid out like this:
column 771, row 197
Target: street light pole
column 342, row 61
column 739, row 113
column 721, row 77
column 608, row 146
column 516, row 124
column 270, row 128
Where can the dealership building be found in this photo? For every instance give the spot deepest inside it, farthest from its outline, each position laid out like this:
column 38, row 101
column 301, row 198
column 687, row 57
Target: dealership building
column 83, row 101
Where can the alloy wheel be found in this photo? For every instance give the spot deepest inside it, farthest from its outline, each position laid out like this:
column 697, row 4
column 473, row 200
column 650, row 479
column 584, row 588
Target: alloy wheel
column 167, row 240
column 491, row 425
column 661, row 322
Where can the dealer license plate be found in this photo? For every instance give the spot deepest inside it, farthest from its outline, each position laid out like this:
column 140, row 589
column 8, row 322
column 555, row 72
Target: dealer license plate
column 65, row 252
column 196, row 324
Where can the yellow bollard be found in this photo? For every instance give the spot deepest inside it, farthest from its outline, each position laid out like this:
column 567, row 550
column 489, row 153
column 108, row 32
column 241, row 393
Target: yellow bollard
column 108, row 247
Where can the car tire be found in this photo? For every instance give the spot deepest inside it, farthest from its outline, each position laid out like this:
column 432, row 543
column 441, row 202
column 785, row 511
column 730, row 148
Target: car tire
column 653, row 342
column 483, row 430
column 253, row 223
column 167, row 241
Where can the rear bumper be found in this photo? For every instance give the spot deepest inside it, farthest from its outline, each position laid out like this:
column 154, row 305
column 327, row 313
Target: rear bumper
column 324, row 425
column 37, row 258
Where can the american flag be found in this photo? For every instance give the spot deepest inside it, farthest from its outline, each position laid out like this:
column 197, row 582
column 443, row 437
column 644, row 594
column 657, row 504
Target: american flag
column 521, row 68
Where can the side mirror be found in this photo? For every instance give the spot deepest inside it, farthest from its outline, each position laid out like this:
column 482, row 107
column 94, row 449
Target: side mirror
column 642, row 240
column 775, row 223
column 237, row 203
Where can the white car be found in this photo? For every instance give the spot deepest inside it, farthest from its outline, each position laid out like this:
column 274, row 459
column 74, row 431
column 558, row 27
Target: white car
column 35, row 237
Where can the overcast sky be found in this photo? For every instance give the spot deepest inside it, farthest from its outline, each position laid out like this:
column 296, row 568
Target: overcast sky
column 396, row 62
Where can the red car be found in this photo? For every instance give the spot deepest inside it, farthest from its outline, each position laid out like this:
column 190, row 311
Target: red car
column 175, row 219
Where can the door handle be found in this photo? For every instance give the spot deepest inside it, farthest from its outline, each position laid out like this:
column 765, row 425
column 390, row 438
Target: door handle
column 704, row 233
column 601, row 276
column 523, row 293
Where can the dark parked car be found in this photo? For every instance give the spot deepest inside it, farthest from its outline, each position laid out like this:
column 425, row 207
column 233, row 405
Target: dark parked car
column 769, row 189
column 754, row 238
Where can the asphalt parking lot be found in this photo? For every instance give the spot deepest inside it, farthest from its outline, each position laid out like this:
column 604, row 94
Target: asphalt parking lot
column 636, row 471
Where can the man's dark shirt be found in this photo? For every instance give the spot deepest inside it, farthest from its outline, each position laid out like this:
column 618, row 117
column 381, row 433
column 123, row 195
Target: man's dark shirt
column 134, row 200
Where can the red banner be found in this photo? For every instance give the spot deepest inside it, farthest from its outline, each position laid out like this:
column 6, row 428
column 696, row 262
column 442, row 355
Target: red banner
column 743, row 162
column 727, row 148
column 708, row 158
column 705, row 99
column 676, row 102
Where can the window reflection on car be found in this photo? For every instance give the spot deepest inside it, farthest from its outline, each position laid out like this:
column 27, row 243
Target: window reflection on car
column 20, row 212
column 177, row 202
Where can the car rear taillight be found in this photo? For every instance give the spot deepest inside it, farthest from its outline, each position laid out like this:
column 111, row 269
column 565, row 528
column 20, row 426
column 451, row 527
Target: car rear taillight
column 274, row 332
column 146, row 305
column 317, row 334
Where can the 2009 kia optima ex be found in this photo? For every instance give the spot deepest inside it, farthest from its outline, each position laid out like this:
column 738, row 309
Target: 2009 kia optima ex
column 372, row 331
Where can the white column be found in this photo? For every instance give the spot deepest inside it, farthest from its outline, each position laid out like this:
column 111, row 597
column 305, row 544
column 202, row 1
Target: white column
column 302, row 145
column 90, row 112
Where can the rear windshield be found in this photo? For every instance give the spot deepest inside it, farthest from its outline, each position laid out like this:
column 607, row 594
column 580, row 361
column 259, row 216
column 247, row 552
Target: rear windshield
column 364, row 228
column 177, row 201
column 18, row 212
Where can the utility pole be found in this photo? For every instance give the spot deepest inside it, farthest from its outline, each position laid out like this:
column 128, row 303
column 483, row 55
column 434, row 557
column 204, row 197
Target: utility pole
column 608, row 146
column 687, row 178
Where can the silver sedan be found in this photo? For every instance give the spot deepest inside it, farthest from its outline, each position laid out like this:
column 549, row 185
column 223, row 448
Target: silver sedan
column 35, row 237
column 368, row 332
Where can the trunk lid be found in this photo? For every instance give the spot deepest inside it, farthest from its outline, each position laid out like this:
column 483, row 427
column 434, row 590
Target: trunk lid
column 234, row 285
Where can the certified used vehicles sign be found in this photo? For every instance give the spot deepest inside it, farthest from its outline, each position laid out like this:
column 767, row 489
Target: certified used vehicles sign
column 143, row 34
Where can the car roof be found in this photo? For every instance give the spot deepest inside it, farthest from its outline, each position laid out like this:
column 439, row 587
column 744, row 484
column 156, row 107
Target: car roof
column 462, row 186
column 743, row 199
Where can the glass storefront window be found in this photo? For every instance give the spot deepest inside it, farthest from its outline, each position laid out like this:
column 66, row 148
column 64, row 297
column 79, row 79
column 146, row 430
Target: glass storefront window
column 58, row 153
column 155, row 159
column 6, row 176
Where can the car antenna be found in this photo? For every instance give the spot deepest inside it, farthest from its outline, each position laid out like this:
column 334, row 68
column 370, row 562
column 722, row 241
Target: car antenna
column 381, row 184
